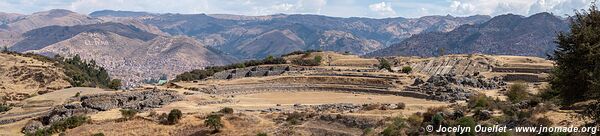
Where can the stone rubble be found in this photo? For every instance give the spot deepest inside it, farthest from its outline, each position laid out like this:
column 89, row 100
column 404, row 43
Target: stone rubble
column 450, row 87
column 138, row 100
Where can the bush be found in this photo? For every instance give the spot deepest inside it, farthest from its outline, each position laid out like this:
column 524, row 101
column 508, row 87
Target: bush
column 98, row 134
column 400, row 105
column 406, row 69
column 4, row 108
column 547, row 93
column 128, row 113
column 384, row 64
column 467, row 122
column 367, row 131
column 437, row 119
column 300, row 52
column 517, row 92
column 174, row 116
column 395, row 128
column 415, row 120
column 428, row 115
column 543, row 121
column 77, row 94
column 226, row 110
column 373, row 106
column 478, row 100
column 295, row 118
column 262, row 134
column 115, row 84
column 213, row 121
column 316, row 61
column 61, row 126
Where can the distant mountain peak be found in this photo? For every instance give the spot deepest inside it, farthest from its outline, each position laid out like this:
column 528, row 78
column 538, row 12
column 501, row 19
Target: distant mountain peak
column 504, row 35
column 119, row 13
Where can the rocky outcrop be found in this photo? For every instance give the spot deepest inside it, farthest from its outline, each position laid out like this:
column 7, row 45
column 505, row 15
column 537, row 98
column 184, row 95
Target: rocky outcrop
column 450, row 64
column 255, row 71
column 353, row 121
column 523, row 77
column 449, row 87
column 140, row 100
column 134, row 100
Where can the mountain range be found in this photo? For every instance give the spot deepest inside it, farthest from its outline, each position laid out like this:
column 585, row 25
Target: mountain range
column 138, row 45
column 503, row 35
column 250, row 37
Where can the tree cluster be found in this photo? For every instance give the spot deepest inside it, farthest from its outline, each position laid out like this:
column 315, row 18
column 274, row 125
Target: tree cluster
column 576, row 76
column 316, row 61
column 86, row 73
column 200, row 74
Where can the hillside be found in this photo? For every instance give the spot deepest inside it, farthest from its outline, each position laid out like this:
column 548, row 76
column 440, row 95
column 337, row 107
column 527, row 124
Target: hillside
column 132, row 59
column 22, row 77
column 42, row 37
column 247, row 36
column 504, row 34
column 13, row 25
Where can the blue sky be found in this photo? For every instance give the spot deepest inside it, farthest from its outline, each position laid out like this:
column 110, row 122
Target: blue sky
column 338, row 8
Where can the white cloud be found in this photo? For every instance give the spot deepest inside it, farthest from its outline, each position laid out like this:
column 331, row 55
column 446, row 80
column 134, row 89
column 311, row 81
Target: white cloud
column 282, row 7
column 340, row 8
column 522, row 7
column 383, row 8
column 558, row 6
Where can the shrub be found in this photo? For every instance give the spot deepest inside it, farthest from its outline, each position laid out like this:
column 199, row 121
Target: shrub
column 213, row 121
column 4, row 107
column 115, row 84
column 395, row 128
column 316, row 61
column 61, row 126
column 467, row 122
column 549, row 94
column 517, row 92
column 98, row 134
column 543, row 121
column 369, row 107
column 301, row 52
column 400, row 105
column 77, row 94
column 226, row 110
column 406, row 69
column 128, row 113
column 384, row 64
column 262, row 134
column 478, row 101
column 367, row 131
column 437, row 119
column 174, row 116
column 415, row 120
column 153, row 114
column 295, row 118
column 428, row 115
